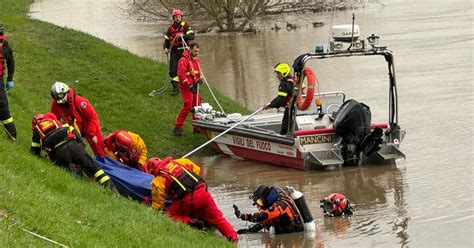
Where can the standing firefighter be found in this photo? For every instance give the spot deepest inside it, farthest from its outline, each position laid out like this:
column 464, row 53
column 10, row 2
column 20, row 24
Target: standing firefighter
column 6, row 58
column 285, row 91
column 64, row 146
column 126, row 147
column 76, row 111
column 189, row 73
column 177, row 32
column 275, row 209
column 191, row 202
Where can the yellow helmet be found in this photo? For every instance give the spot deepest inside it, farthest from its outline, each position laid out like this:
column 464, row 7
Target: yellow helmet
column 283, row 68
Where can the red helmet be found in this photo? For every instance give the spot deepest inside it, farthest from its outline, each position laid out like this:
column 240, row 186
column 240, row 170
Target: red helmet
column 123, row 141
column 152, row 166
column 50, row 115
column 178, row 12
column 36, row 118
column 336, row 204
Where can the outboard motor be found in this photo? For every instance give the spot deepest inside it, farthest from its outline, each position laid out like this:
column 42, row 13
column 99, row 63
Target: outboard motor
column 352, row 124
column 303, row 208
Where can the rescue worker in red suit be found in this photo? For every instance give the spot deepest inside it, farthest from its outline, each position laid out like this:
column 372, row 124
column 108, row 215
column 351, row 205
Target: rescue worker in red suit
column 126, row 147
column 189, row 73
column 64, row 146
column 177, row 31
column 285, row 92
column 76, row 111
column 190, row 201
column 275, row 209
column 336, row 205
column 6, row 58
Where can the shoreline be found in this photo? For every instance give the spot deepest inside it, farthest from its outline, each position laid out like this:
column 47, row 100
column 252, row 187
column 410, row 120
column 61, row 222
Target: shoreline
column 43, row 197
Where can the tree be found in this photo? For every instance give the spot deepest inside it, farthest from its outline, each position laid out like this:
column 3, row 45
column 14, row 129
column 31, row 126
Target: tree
column 227, row 15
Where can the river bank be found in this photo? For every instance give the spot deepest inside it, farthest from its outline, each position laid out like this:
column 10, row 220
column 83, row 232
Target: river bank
column 47, row 200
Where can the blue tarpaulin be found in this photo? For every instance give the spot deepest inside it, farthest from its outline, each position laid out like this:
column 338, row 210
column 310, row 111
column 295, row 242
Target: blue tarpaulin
column 130, row 182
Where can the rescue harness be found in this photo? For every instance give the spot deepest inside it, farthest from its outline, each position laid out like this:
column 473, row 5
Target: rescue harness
column 176, row 43
column 53, row 134
column 186, row 182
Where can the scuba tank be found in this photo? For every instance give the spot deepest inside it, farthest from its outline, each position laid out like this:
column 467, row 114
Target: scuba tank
column 303, row 209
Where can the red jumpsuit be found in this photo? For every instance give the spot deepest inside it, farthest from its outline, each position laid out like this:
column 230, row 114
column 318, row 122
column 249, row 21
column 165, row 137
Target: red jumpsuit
column 80, row 114
column 189, row 73
column 195, row 202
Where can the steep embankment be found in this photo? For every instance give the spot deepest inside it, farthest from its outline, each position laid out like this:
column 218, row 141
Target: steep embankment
column 49, row 201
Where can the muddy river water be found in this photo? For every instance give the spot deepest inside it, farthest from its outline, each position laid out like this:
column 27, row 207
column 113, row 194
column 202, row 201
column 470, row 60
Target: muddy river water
column 424, row 201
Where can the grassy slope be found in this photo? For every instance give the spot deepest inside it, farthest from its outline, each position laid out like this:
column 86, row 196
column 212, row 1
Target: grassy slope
column 46, row 199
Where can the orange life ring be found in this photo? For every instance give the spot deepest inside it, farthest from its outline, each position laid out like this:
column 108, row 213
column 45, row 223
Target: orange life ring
column 304, row 105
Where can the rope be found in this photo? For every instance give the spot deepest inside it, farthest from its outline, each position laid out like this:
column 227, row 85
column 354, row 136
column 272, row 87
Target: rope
column 15, row 223
column 164, row 87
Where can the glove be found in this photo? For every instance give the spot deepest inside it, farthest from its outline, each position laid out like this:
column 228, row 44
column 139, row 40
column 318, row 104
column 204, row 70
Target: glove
column 237, row 211
column 201, row 80
column 193, row 88
column 256, row 227
column 252, row 229
column 9, row 85
column 198, row 224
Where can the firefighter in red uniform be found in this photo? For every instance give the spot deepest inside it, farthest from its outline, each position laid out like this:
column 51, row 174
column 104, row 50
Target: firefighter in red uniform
column 64, row 146
column 126, row 147
column 189, row 73
column 275, row 209
column 285, row 92
column 6, row 58
column 76, row 111
column 178, row 31
column 191, row 202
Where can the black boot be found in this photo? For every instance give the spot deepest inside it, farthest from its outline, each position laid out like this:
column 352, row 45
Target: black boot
column 175, row 88
column 10, row 129
column 178, row 132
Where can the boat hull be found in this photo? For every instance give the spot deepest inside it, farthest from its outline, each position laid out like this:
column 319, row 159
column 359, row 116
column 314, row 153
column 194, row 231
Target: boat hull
column 259, row 149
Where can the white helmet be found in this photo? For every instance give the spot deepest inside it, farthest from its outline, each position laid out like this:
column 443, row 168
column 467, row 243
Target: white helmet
column 59, row 92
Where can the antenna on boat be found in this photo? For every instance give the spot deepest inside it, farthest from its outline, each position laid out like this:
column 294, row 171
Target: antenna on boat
column 330, row 26
column 352, row 37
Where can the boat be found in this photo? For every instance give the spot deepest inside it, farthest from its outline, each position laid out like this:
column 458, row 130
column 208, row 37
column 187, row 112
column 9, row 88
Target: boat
column 330, row 131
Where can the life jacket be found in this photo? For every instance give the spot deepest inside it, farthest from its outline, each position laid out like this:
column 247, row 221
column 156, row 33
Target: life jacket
column 2, row 63
column 182, row 180
column 46, row 126
column 176, row 42
column 194, row 69
column 52, row 133
column 292, row 81
column 289, row 220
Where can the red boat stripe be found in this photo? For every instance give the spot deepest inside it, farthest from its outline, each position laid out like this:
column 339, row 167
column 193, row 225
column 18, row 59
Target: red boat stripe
column 331, row 130
column 266, row 157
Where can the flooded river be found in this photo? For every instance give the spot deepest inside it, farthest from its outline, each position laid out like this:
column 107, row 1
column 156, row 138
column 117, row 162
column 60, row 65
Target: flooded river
column 425, row 201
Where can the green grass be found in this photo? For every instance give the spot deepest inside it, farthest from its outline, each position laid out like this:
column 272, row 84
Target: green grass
column 47, row 200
